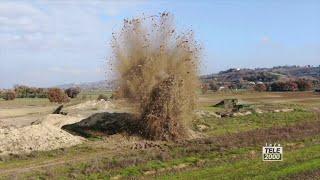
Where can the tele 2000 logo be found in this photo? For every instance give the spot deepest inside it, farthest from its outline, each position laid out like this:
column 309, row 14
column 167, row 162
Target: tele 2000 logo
column 272, row 152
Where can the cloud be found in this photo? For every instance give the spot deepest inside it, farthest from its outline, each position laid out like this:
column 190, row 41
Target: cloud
column 66, row 25
column 20, row 17
column 71, row 37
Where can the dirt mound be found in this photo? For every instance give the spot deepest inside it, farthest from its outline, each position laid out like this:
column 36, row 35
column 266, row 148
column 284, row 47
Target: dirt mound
column 102, row 124
column 58, row 120
column 95, row 104
column 46, row 133
column 34, row 138
column 42, row 135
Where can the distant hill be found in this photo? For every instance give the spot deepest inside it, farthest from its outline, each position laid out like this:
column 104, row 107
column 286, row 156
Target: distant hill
column 266, row 74
column 98, row 85
column 230, row 75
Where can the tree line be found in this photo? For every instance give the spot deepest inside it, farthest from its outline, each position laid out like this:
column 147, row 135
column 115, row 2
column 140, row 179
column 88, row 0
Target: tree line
column 277, row 86
column 53, row 94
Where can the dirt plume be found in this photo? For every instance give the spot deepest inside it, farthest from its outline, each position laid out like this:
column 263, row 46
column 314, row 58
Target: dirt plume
column 157, row 68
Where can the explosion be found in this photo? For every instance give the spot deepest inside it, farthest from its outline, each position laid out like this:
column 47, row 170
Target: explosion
column 157, row 69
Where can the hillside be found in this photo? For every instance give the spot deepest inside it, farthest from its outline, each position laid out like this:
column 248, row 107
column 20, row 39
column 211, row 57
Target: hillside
column 266, row 74
column 230, row 75
column 98, row 85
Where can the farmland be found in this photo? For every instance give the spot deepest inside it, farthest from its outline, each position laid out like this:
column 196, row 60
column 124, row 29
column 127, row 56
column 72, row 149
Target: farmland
column 228, row 147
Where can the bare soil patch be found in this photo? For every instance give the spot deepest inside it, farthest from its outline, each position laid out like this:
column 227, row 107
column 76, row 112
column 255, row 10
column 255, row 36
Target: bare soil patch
column 42, row 133
column 104, row 124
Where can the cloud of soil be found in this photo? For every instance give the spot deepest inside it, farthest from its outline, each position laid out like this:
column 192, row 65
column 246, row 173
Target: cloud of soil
column 157, row 68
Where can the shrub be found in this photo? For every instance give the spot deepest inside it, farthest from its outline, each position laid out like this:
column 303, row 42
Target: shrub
column 9, row 95
column 115, row 95
column 233, row 86
column 30, row 92
column 72, row 92
column 57, row 95
column 284, row 86
column 204, row 88
column 260, row 87
column 213, row 86
column 104, row 97
column 158, row 70
column 42, row 93
column 291, row 86
column 304, row 84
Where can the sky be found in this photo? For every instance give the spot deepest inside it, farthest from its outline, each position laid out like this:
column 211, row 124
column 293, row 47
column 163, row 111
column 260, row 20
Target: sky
column 46, row 43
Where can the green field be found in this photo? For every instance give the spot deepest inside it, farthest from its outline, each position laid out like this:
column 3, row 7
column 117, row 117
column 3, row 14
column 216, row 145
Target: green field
column 228, row 148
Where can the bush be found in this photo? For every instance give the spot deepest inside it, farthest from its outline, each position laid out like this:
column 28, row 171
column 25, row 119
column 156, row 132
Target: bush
column 213, row 86
column 304, row 84
column 9, row 95
column 57, row 95
column 115, row 95
column 260, row 87
column 284, row 86
column 72, row 92
column 42, row 93
column 204, row 88
column 30, row 92
column 104, row 97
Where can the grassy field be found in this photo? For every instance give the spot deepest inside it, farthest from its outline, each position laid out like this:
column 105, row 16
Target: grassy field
column 229, row 148
column 20, row 107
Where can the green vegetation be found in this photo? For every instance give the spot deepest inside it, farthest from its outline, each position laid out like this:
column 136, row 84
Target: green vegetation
column 220, row 126
column 229, row 149
column 295, row 162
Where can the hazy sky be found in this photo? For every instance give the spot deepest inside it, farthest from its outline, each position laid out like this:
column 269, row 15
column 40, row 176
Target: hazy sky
column 45, row 43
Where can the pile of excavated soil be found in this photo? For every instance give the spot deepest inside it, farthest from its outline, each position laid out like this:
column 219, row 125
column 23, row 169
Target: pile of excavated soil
column 46, row 133
column 58, row 120
column 34, row 138
column 95, row 104
column 105, row 124
column 40, row 136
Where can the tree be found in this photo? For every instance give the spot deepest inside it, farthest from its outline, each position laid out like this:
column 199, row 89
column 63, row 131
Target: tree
column 30, row 92
column 72, row 92
column 204, row 88
column 260, row 87
column 284, row 86
column 102, row 97
column 213, row 86
column 304, row 84
column 9, row 95
column 290, row 86
column 57, row 95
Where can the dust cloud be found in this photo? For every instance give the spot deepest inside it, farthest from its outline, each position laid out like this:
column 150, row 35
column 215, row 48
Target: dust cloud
column 157, row 70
